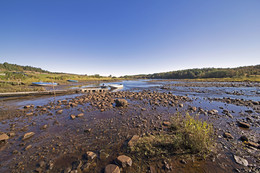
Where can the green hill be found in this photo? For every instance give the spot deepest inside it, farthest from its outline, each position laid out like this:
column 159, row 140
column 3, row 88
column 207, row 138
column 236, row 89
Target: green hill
column 205, row 73
column 18, row 68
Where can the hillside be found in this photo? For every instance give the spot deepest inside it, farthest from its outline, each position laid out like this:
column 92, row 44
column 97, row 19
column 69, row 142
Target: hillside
column 18, row 68
column 204, row 73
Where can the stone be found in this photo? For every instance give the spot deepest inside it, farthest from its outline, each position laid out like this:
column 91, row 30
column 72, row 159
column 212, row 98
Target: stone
column 91, row 155
column 243, row 138
column 124, row 161
column 59, row 112
column 29, row 114
column 240, row 160
column 121, row 103
column 72, row 116
column 28, row 135
column 193, row 109
column 4, row 137
column 166, row 123
column 111, row 168
column 80, row 115
column 252, row 144
column 44, row 126
column 28, row 147
column 133, row 140
column 228, row 135
column 181, row 105
column 242, row 124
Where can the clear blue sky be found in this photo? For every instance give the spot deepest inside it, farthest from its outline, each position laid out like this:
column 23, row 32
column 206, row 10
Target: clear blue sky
column 120, row 37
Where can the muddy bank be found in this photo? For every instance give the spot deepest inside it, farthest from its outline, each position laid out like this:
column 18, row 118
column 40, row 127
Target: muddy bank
column 65, row 130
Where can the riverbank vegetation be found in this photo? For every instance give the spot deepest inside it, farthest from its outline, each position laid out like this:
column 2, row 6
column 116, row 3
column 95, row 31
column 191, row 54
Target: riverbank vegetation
column 183, row 136
column 246, row 73
column 15, row 78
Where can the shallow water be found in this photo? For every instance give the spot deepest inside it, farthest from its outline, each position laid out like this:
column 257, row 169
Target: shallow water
column 65, row 138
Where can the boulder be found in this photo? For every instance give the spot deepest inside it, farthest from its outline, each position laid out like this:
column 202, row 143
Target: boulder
column 28, row 135
column 111, row 168
column 242, row 124
column 124, row 161
column 121, row 103
column 4, row 137
column 240, row 160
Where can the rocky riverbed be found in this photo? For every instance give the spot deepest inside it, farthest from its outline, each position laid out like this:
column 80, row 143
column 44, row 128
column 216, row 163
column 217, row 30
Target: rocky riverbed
column 91, row 132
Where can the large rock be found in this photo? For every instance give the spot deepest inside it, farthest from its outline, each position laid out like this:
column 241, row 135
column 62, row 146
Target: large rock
column 121, row 103
column 4, row 137
column 124, row 161
column 111, row 168
column 240, row 160
column 28, row 135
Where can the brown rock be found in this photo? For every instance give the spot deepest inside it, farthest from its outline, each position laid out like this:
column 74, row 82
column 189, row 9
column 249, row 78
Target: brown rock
column 28, row 135
column 133, row 140
column 121, row 102
column 228, row 135
column 166, row 123
column 91, row 155
column 80, row 115
column 242, row 124
column 59, row 111
column 111, row 168
column 28, row 147
column 4, row 137
column 252, row 144
column 124, row 161
column 72, row 117
column 29, row 114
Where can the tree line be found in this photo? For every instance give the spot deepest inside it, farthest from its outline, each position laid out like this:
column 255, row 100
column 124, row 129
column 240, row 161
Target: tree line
column 245, row 71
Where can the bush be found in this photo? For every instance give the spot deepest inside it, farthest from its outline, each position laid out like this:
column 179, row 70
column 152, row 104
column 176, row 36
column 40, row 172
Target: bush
column 185, row 136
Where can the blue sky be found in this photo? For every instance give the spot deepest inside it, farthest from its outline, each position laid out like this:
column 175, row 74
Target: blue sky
column 120, row 37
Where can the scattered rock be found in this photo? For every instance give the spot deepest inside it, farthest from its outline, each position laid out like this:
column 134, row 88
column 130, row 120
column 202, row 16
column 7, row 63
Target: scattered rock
column 28, row 135
column 166, row 123
column 72, row 117
column 252, row 144
column 59, row 112
column 124, row 161
column 228, row 135
column 80, row 115
column 4, row 137
column 240, row 160
column 44, row 126
column 242, row 124
column 121, row 103
column 91, row 155
column 28, row 147
column 133, row 140
column 111, row 168
column 243, row 138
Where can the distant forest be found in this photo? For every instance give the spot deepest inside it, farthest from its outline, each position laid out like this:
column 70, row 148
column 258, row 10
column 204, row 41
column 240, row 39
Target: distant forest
column 18, row 68
column 245, row 71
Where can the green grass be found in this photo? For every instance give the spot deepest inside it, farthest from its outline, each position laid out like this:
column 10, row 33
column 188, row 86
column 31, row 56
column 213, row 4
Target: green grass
column 4, row 87
column 185, row 136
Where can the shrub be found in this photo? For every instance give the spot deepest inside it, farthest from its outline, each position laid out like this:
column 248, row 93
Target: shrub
column 186, row 135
